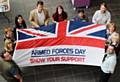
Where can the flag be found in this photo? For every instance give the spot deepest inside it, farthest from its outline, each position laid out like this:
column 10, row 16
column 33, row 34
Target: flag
column 67, row 42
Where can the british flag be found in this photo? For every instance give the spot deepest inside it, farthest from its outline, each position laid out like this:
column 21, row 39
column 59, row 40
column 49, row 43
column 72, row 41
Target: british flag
column 62, row 34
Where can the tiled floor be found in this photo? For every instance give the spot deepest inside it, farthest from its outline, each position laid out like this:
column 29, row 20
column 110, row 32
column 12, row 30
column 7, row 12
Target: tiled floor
column 60, row 73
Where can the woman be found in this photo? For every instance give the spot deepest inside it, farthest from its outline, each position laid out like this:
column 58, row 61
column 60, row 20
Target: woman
column 8, row 34
column 111, row 30
column 19, row 23
column 8, row 46
column 112, row 37
column 59, row 15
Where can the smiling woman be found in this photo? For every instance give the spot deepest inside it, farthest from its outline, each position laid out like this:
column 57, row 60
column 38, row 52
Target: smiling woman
column 59, row 15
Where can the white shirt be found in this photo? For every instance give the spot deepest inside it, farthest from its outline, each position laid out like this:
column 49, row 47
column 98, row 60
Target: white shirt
column 41, row 18
column 108, row 66
column 101, row 18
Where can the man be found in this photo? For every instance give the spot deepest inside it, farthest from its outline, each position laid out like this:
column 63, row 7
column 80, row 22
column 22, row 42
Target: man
column 10, row 71
column 81, row 16
column 102, row 16
column 39, row 16
column 108, row 65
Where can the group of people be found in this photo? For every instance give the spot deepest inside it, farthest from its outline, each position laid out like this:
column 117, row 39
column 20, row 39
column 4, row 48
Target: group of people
column 112, row 47
column 9, row 69
column 40, row 17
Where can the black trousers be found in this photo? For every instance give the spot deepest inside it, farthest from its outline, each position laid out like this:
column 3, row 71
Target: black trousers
column 104, row 77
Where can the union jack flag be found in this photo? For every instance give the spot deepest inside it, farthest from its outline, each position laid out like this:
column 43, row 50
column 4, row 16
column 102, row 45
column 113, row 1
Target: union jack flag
column 63, row 33
column 60, row 40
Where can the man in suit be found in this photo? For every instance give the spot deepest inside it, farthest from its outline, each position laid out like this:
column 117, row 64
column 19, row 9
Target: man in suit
column 39, row 16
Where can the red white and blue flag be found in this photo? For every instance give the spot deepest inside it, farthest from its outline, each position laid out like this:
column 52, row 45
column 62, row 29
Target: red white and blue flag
column 67, row 42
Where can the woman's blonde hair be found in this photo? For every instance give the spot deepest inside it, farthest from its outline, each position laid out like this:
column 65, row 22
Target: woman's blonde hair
column 111, row 25
column 116, row 36
column 7, row 29
column 7, row 41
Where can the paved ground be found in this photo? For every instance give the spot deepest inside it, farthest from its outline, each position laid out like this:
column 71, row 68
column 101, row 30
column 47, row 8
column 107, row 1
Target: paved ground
column 60, row 73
